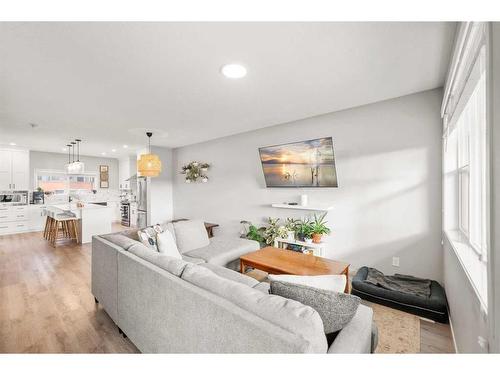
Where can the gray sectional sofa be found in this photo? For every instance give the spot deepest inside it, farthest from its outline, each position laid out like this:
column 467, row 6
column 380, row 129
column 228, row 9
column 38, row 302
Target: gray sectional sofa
column 168, row 305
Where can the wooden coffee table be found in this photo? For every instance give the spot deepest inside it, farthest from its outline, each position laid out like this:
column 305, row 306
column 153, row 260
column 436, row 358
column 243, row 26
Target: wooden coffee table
column 279, row 262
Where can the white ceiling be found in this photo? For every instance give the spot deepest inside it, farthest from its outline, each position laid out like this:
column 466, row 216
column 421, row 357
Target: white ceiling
column 97, row 81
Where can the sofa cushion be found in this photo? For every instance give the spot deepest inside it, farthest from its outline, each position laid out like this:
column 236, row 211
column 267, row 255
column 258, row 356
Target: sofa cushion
column 167, row 225
column 290, row 315
column 230, row 274
column 190, row 235
column 120, row 240
column 168, row 263
column 224, row 249
column 263, row 286
column 166, row 244
column 130, row 233
column 357, row 336
column 333, row 283
column 192, row 260
column 336, row 309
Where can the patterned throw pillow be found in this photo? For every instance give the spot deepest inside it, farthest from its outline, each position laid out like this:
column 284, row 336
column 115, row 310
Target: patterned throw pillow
column 148, row 236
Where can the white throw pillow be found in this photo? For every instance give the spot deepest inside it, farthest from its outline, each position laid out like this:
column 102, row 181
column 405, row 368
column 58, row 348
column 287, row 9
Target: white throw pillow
column 166, row 244
column 334, row 283
column 190, row 235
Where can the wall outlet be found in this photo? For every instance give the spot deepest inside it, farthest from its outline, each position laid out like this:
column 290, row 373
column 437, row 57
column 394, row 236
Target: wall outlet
column 395, row 261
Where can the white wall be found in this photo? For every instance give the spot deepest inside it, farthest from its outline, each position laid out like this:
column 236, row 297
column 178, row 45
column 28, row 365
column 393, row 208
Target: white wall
column 468, row 321
column 56, row 161
column 160, row 188
column 388, row 203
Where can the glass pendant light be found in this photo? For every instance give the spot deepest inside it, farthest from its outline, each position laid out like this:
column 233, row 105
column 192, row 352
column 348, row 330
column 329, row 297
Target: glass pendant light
column 69, row 165
column 149, row 165
column 78, row 166
column 74, row 166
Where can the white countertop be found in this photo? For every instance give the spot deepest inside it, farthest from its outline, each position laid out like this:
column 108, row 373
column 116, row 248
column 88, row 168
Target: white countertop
column 73, row 206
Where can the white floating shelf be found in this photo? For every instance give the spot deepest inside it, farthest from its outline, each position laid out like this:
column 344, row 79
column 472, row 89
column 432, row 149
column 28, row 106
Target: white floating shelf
column 299, row 207
column 302, row 243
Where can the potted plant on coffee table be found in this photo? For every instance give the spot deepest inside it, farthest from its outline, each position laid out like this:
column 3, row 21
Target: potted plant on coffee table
column 319, row 228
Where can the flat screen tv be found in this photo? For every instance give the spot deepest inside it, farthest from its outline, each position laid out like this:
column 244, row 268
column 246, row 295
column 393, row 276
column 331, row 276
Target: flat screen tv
column 300, row 164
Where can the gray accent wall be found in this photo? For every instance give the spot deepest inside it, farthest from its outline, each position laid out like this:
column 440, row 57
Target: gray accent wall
column 56, row 161
column 388, row 203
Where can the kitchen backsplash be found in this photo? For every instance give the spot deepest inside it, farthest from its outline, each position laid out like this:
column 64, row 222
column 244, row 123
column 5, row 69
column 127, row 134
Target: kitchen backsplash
column 99, row 196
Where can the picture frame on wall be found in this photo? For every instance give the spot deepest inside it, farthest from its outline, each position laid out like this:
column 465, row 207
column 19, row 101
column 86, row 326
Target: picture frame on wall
column 104, row 176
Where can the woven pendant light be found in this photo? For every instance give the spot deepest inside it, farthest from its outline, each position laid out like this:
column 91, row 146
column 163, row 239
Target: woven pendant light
column 149, row 165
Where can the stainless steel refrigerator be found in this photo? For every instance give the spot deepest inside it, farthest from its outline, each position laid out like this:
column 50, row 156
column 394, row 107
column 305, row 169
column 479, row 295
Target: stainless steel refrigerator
column 142, row 202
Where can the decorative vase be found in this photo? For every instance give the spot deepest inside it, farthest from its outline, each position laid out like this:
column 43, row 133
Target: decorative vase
column 291, row 235
column 316, row 238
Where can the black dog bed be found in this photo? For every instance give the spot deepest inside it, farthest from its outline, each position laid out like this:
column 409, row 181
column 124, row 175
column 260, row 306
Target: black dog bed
column 434, row 307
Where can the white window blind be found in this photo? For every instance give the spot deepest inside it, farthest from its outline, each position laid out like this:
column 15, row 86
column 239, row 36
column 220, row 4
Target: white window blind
column 465, row 178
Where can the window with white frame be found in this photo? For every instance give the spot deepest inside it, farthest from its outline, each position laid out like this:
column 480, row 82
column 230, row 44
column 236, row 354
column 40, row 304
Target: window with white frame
column 60, row 183
column 465, row 183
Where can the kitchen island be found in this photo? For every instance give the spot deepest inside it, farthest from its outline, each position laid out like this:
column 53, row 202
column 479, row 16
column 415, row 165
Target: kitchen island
column 94, row 219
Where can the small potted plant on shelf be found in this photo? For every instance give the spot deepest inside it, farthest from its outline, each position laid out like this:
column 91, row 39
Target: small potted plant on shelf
column 273, row 231
column 291, row 226
column 319, row 228
column 303, row 230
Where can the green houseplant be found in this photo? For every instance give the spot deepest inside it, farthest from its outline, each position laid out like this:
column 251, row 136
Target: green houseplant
column 256, row 234
column 303, row 230
column 252, row 232
column 291, row 226
column 274, row 230
column 319, row 228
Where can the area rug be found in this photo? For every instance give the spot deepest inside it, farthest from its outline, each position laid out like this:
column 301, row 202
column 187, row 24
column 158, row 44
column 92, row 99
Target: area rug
column 398, row 332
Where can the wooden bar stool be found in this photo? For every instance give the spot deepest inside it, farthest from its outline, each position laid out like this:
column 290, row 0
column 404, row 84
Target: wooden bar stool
column 60, row 227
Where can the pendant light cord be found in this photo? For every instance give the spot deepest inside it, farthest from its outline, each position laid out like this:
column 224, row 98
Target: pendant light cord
column 149, row 134
column 78, row 151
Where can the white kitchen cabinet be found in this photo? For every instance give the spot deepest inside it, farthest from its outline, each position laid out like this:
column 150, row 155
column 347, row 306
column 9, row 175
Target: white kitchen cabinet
column 20, row 170
column 37, row 217
column 127, row 167
column 5, row 169
column 14, row 169
column 115, row 210
column 14, row 219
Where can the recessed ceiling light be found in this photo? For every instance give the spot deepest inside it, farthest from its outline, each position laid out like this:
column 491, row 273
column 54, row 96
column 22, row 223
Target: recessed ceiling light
column 113, row 150
column 234, row 71
column 12, row 144
column 125, row 146
column 64, row 149
column 103, row 153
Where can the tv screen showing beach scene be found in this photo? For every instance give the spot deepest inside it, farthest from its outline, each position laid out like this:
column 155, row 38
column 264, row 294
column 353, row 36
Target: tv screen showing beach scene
column 300, row 164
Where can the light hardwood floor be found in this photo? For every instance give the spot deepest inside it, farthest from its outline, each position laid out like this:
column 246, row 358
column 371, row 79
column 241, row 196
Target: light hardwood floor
column 45, row 300
column 46, row 305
